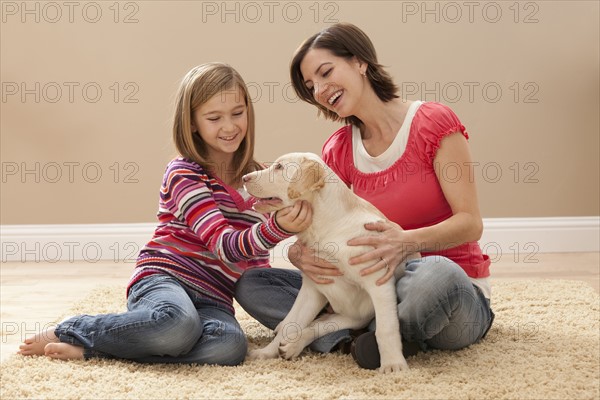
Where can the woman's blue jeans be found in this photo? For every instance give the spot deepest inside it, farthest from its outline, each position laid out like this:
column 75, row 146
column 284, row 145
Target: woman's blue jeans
column 165, row 322
column 439, row 307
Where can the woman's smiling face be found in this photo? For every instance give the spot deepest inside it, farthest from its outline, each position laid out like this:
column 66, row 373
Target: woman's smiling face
column 336, row 83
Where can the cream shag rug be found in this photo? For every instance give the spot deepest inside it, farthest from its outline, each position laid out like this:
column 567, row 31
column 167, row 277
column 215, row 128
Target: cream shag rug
column 545, row 344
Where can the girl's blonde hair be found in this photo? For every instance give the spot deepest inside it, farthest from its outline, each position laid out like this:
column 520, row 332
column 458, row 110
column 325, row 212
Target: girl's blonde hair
column 197, row 87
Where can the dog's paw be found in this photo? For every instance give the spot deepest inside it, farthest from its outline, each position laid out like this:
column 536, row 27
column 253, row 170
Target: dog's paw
column 392, row 367
column 260, row 354
column 290, row 350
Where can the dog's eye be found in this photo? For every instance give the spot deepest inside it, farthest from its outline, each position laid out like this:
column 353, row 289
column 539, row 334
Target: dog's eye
column 278, row 166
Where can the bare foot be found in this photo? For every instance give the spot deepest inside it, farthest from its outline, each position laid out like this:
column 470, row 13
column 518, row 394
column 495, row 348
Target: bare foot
column 34, row 345
column 64, row 351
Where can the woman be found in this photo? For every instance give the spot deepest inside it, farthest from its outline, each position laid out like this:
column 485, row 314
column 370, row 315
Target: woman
column 396, row 154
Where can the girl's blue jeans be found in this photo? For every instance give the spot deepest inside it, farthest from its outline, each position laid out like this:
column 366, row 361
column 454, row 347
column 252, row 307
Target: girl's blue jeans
column 165, row 322
column 438, row 305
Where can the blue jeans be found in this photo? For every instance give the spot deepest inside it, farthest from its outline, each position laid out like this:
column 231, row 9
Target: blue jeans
column 439, row 307
column 166, row 322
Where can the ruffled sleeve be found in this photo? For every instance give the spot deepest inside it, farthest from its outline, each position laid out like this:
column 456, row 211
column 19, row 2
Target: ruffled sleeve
column 337, row 153
column 436, row 121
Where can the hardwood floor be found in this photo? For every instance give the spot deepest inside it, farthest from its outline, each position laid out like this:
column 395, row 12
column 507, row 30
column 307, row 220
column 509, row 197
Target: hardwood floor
column 34, row 295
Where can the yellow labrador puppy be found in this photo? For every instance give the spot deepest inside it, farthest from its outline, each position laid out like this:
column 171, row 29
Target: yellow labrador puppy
column 338, row 216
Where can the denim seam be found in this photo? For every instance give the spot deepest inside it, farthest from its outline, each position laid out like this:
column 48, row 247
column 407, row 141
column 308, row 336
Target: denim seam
column 89, row 353
column 273, row 283
column 454, row 292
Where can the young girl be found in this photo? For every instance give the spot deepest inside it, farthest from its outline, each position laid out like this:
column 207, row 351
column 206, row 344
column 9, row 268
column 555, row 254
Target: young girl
column 181, row 293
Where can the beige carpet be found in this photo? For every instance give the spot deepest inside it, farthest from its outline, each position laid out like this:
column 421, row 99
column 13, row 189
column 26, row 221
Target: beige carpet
column 545, row 344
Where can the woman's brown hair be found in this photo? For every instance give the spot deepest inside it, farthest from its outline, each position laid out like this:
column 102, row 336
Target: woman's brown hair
column 347, row 41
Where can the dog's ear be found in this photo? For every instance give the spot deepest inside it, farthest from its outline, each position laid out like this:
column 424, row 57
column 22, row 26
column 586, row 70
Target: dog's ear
column 309, row 178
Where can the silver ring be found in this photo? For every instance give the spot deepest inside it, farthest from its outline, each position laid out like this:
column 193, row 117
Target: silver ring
column 387, row 267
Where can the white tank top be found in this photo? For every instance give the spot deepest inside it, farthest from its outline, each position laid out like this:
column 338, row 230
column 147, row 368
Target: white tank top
column 367, row 163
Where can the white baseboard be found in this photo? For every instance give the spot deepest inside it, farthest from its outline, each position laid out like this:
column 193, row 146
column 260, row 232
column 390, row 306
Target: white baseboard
column 122, row 242
column 524, row 237
column 87, row 242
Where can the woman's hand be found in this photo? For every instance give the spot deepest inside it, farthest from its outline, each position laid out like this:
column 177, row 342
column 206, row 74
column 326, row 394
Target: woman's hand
column 296, row 218
column 306, row 260
column 390, row 248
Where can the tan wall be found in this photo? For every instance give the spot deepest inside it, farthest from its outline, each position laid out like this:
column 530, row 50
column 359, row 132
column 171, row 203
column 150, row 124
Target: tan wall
column 73, row 154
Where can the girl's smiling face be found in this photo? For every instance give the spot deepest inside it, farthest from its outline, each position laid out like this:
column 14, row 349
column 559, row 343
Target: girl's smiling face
column 336, row 83
column 222, row 123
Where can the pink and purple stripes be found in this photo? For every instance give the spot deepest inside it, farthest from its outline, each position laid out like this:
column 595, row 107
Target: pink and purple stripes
column 207, row 234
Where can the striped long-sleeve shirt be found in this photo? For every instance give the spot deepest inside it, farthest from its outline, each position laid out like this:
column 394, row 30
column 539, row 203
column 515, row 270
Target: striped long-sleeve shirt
column 208, row 234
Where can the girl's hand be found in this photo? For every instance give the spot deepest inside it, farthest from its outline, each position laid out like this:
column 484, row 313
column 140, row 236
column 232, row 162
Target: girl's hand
column 296, row 218
column 390, row 248
column 306, row 260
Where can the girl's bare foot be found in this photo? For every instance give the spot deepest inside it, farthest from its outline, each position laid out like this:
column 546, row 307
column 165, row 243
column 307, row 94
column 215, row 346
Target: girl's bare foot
column 64, row 351
column 35, row 345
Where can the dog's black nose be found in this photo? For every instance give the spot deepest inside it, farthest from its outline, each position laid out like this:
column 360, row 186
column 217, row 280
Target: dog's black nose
column 245, row 178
